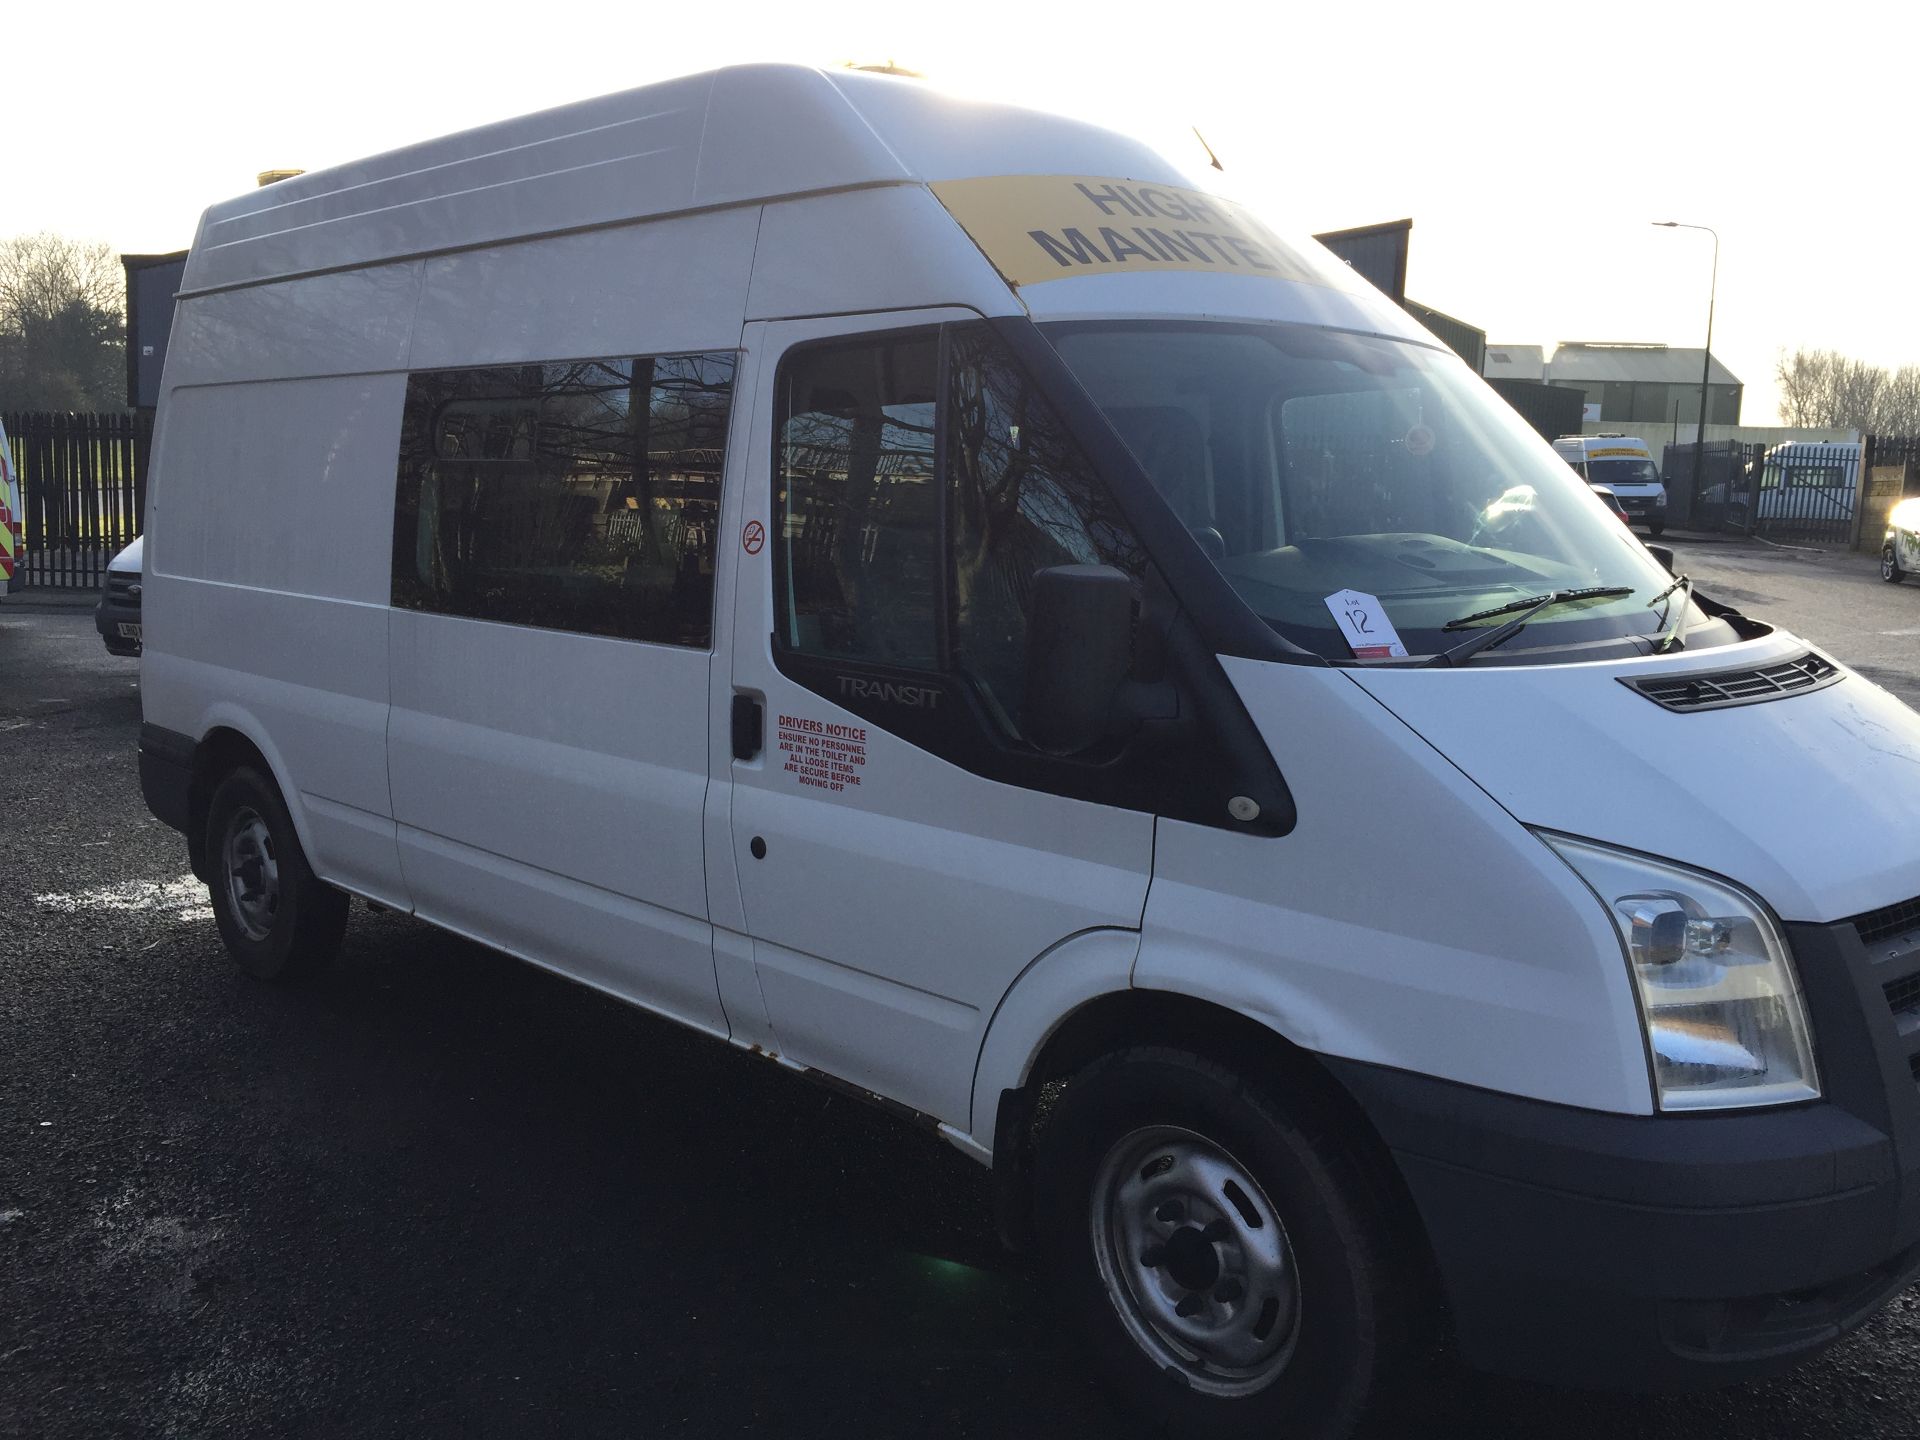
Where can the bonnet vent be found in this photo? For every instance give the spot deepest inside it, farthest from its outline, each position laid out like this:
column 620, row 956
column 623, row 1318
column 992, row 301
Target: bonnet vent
column 1717, row 689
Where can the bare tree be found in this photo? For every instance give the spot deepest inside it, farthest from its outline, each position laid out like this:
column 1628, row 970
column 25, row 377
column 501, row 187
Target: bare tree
column 1900, row 403
column 1826, row 388
column 62, row 325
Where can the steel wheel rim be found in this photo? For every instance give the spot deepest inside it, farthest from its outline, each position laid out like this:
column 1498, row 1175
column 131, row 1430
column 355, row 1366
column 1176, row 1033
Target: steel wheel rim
column 1195, row 1260
column 252, row 873
column 1887, row 563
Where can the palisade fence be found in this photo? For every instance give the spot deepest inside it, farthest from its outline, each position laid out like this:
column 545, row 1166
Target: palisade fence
column 1812, row 492
column 83, row 481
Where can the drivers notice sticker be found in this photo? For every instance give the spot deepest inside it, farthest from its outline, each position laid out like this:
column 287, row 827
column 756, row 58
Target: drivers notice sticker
column 822, row 754
column 1361, row 618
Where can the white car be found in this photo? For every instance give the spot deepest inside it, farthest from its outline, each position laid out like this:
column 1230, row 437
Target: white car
column 1900, row 549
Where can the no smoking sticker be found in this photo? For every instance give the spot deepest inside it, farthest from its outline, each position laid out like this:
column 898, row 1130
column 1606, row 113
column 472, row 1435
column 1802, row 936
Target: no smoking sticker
column 753, row 537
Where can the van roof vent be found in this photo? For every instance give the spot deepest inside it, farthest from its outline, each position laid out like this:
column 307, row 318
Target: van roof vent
column 1718, row 689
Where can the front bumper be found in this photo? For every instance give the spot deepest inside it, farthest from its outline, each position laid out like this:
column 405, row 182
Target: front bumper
column 1673, row 1251
column 118, row 608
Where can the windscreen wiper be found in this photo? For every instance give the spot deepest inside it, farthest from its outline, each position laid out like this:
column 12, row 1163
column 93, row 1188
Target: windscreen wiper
column 1674, row 619
column 1529, row 607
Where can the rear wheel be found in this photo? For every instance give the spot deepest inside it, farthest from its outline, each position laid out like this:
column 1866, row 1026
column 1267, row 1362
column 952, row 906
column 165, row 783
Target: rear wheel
column 278, row 919
column 1228, row 1261
column 1890, row 570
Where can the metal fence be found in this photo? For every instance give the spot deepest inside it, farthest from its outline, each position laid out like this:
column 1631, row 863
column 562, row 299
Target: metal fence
column 1804, row 491
column 83, row 488
column 1901, row 452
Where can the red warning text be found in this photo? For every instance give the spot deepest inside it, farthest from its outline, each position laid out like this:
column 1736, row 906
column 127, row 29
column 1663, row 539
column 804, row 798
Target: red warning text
column 820, row 753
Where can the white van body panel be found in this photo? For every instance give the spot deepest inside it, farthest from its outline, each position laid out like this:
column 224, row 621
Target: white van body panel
column 1746, row 792
column 355, row 322
column 661, row 287
column 549, row 788
column 263, row 630
column 892, row 248
column 1406, row 921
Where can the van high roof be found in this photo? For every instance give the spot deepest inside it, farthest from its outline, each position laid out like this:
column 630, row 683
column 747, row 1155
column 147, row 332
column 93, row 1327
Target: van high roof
column 728, row 137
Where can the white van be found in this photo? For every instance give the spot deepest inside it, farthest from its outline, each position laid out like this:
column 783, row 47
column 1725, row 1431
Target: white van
column 1623, row 464
column 928, row 593
column 1809, row 480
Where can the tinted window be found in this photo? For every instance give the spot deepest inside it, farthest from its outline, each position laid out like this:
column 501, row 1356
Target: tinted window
column 886, row 558
column 575, row 495
column 1024, row 498
column 858, row 507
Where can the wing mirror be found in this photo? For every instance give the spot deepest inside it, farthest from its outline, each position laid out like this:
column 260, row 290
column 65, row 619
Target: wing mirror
column 1664, row 554
column 1079, row 654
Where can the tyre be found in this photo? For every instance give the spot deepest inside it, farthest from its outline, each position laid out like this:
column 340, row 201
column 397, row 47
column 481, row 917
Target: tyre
column 1657, row 528
column 1890, row 570
column 279, row 920
column 1231, row 1266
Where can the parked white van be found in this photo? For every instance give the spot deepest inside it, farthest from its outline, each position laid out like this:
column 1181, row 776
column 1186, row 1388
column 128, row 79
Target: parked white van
column 1811, row 480
column 1623, row 464
column 930, row 593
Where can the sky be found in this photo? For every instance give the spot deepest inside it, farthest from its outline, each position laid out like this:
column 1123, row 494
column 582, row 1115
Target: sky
column 1531, row 144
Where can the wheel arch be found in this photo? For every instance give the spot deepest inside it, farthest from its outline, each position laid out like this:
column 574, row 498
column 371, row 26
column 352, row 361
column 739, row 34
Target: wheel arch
column 1123, row 1017
column 227, row 743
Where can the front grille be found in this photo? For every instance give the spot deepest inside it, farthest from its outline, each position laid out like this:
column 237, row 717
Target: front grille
column 123, row 588
column 1889, row 922
column 1903, row 995
column 1721, row 688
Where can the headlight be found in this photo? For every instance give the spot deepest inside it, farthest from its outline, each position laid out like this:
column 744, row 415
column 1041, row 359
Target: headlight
column 1719, row 997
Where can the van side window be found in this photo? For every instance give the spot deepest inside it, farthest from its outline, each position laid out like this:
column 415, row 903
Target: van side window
column 915, row 498
column 577, row 495
column 856, row 555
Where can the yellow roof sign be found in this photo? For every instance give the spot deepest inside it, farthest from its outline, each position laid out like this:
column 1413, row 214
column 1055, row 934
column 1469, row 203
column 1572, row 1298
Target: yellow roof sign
column 1036, row 228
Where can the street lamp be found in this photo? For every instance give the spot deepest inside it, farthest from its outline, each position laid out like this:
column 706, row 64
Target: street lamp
column 1706, row 360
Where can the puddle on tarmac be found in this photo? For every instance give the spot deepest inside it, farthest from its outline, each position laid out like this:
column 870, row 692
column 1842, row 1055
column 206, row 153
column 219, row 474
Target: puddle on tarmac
column 183, row 900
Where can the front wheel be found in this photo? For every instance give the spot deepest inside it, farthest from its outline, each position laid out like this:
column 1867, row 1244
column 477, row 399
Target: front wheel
column 1890, row 570
column 278, row 919
column 1226, row 1258
column 1657, row 528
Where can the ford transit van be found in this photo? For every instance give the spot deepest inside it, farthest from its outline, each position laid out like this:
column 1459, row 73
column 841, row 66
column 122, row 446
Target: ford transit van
column 935, row 595
column 1623, row 464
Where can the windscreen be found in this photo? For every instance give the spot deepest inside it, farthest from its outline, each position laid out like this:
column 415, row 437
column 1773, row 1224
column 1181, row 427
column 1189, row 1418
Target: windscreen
column 1307, row 462
column 1623, row 472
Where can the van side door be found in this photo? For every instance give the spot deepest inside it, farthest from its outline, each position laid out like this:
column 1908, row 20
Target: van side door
column 903, row 852
column 552, row 640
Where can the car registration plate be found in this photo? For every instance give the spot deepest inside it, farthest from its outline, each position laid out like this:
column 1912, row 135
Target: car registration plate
column 129, row 631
